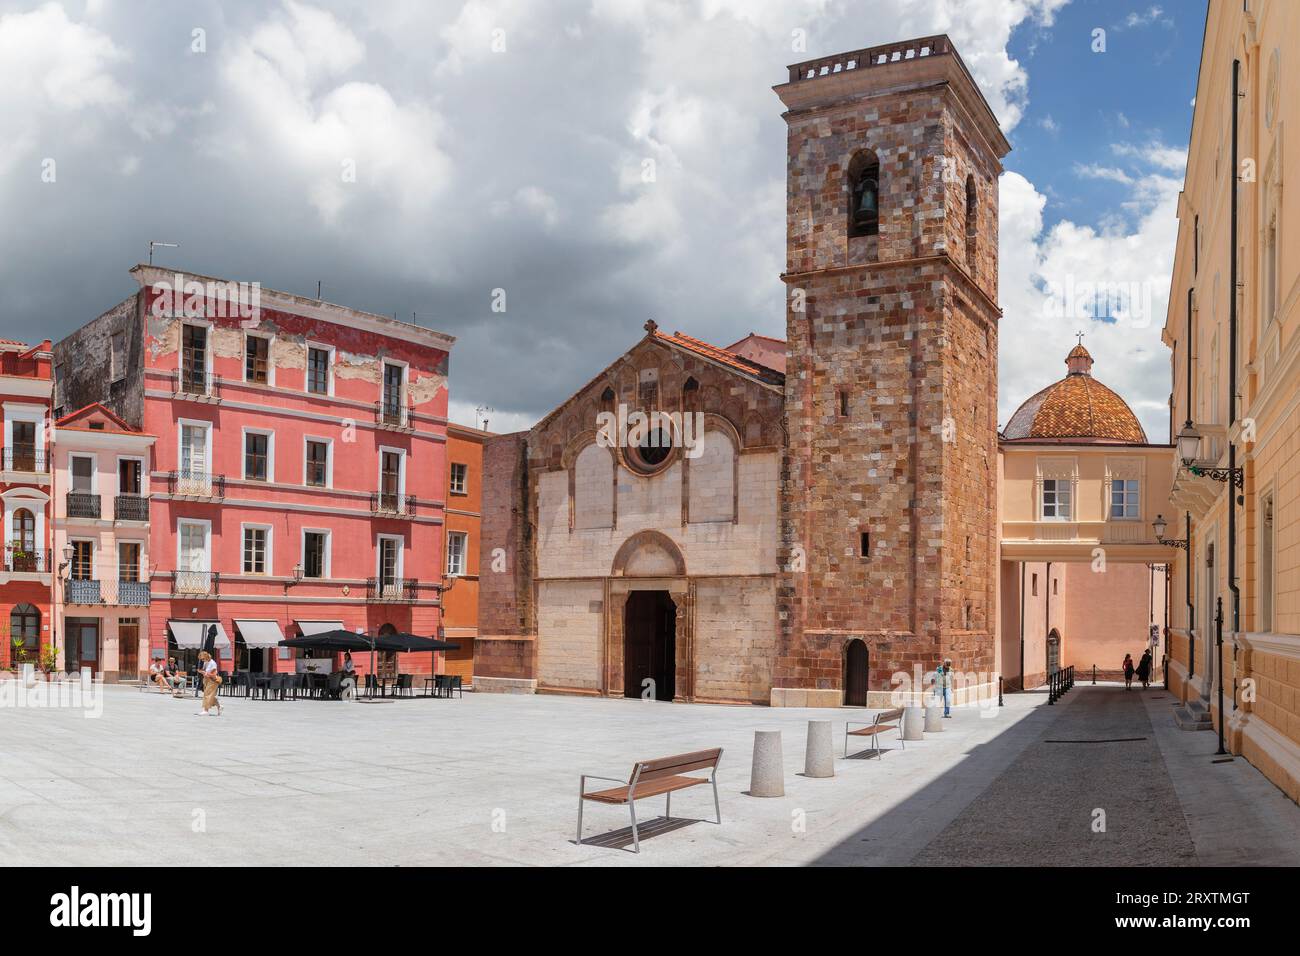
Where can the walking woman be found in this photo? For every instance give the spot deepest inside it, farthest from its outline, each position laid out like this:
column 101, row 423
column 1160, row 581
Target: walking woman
column 1144, row 669
column 211, row 681
column 1128, row 671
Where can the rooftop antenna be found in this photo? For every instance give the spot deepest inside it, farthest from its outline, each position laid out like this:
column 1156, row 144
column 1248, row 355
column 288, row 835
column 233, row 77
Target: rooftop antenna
column 162, row 245
column 318, row 290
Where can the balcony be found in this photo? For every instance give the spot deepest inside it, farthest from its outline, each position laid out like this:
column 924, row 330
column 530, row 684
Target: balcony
column 27, row 460
column 392, row 415
column 196, row 584
column 394, row 505
column 392, row 589
column 27, row 560
column 195, row 484
column 116, row 593
column 192, row 383
column 130, row 508
column 83, row 505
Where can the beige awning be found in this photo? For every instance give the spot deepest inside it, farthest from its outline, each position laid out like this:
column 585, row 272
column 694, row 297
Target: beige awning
column 259, row 633
column 189, row 634
column 309, row 628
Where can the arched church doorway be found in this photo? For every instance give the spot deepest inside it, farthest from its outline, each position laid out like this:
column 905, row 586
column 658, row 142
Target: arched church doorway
column 650, row 645
column 1053, row 651
column 855, row 673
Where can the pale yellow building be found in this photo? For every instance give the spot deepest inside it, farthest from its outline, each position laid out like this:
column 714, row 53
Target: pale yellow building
column 1082, row 574
column 1245, row 555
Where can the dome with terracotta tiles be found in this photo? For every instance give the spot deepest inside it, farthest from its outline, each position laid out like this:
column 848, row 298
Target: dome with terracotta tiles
column 1077, row 409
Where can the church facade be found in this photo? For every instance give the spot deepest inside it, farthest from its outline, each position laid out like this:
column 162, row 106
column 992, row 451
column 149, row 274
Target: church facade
column 802, row 520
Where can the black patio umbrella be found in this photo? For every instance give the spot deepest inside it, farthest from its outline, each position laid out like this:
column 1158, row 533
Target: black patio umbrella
column 344, row 640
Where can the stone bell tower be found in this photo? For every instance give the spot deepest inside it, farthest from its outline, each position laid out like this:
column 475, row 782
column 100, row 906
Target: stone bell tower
column 889, row 482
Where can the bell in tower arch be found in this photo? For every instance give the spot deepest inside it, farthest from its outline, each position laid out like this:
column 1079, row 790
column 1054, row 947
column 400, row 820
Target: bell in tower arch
column 864, row 216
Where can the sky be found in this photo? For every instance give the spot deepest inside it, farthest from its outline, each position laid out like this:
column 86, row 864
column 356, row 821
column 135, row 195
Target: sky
column 435, row 159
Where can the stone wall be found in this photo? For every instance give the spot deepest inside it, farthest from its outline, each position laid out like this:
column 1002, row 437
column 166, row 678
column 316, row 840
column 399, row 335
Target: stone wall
column 889, row 480
column 83, row 365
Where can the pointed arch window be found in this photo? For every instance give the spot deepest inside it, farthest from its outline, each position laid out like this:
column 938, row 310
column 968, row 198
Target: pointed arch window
column 864, row 195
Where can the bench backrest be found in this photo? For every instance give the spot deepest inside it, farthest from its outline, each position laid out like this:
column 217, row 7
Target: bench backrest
column 672, row 766
column 887, row 715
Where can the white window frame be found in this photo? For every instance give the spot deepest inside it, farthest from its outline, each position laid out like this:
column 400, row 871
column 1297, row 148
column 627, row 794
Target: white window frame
column 451, row 476
column 246, row 526
column 329, row 459
column 270, row 454
column 144, row 474
column 1057, row 484
column 269, row 339
column 94, row 470
column 1137, row 500
column 94, row 551
column 34, row 501
column 207, row 442
column 206, row 524
column 464, row 553
column 328, row 569
column 329, row 371
column 406, row 377
column 379, row 555
column 32, row 415
column 198, row 323
column 143, row 545
column 401, row 471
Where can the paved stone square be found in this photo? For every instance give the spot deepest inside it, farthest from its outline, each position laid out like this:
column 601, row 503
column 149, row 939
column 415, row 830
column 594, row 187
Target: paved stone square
column 493, row 780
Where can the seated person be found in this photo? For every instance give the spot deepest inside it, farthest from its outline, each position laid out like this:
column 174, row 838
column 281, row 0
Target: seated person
column 175, row 679
column 156, row 676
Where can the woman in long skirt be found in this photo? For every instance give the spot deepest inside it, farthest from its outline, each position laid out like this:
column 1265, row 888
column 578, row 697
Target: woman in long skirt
column 211, row 681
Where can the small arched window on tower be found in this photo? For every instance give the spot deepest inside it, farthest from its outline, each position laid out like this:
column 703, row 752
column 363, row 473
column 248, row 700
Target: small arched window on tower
column 864, row 195
column 972, row 220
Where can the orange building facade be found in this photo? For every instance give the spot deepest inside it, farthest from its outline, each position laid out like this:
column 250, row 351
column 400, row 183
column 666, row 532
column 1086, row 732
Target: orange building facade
column 461, row 570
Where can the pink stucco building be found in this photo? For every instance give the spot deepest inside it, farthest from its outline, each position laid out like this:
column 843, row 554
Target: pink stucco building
column 298, row 473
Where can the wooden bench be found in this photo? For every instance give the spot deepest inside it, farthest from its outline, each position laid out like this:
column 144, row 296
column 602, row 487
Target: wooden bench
column 885, row 720
column 651, row 778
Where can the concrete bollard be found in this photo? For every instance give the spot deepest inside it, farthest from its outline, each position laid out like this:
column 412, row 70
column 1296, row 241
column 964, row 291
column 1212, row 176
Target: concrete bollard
column 933, row 717
column 913, row 723
column 29, row 676
column 819, row 756
column 87, row 677
column 767, row 775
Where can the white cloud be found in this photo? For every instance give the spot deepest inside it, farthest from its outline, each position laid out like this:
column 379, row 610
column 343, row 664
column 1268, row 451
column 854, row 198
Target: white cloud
column 1129, row 257
column 50, row 67
column 334, row 142
column 1154, row 154
column 1097, row 171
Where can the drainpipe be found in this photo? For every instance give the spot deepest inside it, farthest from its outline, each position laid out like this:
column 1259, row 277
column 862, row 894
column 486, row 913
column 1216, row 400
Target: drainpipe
column 1191, row 608
column 1047, row 615
column 1232, row 412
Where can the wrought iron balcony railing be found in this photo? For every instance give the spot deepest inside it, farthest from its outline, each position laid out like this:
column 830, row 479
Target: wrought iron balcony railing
column 83, row 505
column 196, row 484
column 196, row 583
column 392, row 589
column 26, row 459
column 118, row 593
column 131, row 508
column 392, row 414
column 27, row 560
column 390, row 503
column 186, row 381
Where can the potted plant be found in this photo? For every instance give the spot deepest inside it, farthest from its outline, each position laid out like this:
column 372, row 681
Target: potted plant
column 49, row 659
